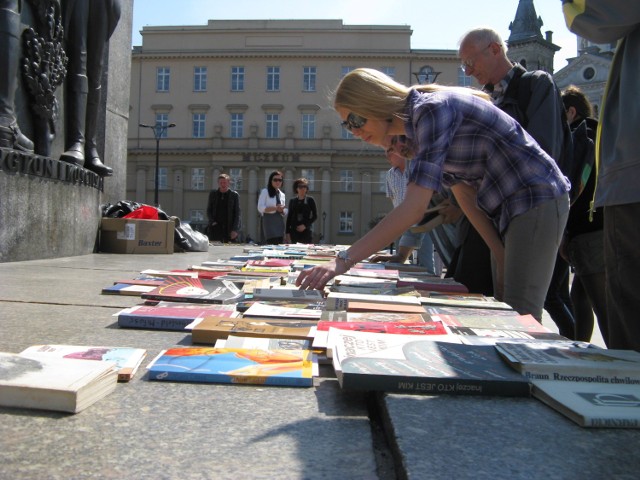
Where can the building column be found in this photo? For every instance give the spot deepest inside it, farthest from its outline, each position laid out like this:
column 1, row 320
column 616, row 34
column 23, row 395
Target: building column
column 177, row 203
column 325, row 205
column 251, row 215
column 141, row 185
column 365, row 201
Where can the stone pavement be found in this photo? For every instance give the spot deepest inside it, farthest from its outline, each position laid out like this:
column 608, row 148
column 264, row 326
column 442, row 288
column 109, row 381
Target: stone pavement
column 193, row 431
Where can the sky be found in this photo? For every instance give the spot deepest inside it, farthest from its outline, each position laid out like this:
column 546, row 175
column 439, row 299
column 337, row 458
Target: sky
column 435, row 24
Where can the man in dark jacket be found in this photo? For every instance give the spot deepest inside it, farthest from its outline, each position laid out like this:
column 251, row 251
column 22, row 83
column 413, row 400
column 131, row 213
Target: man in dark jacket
column 223, row 211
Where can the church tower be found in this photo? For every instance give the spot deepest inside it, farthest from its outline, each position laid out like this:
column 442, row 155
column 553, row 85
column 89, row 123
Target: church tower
column 526, row 44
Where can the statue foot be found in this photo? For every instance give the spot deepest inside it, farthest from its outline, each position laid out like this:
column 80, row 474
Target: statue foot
column 12, row 137
column 75, row 155
column 95, row 165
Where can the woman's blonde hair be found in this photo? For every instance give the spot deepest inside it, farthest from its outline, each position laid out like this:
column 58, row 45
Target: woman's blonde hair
column 372, row 94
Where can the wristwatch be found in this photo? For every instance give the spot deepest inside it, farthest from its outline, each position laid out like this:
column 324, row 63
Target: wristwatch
column 344, row 256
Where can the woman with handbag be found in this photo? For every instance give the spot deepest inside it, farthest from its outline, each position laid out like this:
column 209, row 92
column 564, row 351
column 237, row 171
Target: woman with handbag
column 271, row 205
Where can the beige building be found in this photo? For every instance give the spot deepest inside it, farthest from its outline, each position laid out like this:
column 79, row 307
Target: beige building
column 250, row 97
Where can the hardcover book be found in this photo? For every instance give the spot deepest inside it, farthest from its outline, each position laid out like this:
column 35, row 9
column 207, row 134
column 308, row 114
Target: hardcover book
column 195, row 290
column 291, row 368
column 411, row 364
column 209, row 329
column 170, row 315
column 261, row 343
column 431, row 283
column 60, row 384
column 592, row 404
column 126, row 359
column 128, row 289
column 574, row 364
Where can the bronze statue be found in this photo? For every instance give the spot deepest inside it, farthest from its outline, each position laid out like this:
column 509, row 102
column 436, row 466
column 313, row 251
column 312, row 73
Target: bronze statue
column 88, row 26
column 10, row 134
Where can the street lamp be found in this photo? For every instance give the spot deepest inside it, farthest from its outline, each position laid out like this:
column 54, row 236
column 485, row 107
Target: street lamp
column 158, row 131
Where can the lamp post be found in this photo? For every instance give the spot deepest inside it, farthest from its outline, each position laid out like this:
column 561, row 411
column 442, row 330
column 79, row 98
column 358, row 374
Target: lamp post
column 158, row 131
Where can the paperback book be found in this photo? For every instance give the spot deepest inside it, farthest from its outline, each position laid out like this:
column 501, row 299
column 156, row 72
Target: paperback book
column 486, row 318
column 289, row 294
column 196, row 290
column 574, row 364
column 411, row 364
column 311, row 311
column 209, row 329
column 127, row 360
column 59, row 384
column 170, row 315
column 128, row 289
column 597, row 405
column 291, row 368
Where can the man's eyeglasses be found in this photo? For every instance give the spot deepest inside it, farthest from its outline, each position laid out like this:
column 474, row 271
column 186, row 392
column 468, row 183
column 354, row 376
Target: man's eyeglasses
column 471, row 61
column 353, row 121
column 276, row 180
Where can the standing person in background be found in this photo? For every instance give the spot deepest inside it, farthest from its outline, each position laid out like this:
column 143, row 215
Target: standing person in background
column 508, row 187
column 583, row 240
column 398, row 155
column 537, row 106
column 272, row 207
column 223, row 211
column 302, row 213
column 617, row 158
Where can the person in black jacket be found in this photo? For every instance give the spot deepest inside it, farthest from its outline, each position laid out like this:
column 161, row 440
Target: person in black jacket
column 223, row 210
column 302, row 213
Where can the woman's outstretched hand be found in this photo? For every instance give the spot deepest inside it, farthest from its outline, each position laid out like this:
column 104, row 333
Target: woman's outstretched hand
column 317, row 277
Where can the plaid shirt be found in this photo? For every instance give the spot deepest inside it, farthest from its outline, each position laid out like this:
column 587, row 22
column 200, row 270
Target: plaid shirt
column 397, row 185
column 459, row 137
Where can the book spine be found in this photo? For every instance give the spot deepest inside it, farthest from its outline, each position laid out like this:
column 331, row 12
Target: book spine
column 603, row 422
column 231, row 379
column 435, row 386
column 153, row 323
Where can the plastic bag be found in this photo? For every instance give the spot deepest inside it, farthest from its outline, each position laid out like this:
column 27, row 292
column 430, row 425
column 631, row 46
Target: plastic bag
column 188, row 239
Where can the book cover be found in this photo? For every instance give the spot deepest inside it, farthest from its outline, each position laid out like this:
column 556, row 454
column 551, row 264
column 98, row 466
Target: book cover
column 359, row 306
column 342, row 316
column 431, row 283
column 411, row 364
column 209, row 329
column 291, row 368
column 596, row 405
column 489, row 336
column 126, row 359
column 173, row 316
column 461, row 301
column 60, row 384
column 486, row 318
column 311, row 311
column 290, row 294
column 128, row 289
column 542, row 362
column 261, row 343
column 195, row 290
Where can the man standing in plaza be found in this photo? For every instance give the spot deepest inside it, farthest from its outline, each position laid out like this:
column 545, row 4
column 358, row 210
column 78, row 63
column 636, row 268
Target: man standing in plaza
column 223, row 211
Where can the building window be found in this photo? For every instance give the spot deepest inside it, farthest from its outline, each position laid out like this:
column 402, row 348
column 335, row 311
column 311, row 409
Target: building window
column 163, row 75
column 198, row 125
column 237, row 125
column 309, row 79
column 273, row 79
column 391, row 71
column 346, row 222
column 237, row 79
column 200, row 79
column 308, row 125
column 236, row 179
column 588, row 73
column 345, row 70
column 163, row 183
column 382, row 181
column 464, row 80
column 197, row 178
column 310, row 175
column 162, row 119
column 196, row 216
column 346, row 180
column 273, row 123
column 346, row 134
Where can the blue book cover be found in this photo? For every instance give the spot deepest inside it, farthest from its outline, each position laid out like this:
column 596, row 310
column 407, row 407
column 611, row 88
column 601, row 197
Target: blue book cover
column 291, row 368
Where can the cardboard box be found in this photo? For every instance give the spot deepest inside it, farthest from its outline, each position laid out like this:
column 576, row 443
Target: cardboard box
column 123, row 235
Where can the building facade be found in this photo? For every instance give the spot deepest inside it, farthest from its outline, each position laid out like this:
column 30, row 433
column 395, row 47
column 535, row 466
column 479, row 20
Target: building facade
column 249, row 97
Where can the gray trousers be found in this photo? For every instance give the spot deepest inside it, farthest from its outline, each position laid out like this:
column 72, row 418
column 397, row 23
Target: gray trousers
column 531, row 244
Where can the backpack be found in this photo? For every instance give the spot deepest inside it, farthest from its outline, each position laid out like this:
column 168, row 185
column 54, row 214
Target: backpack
column 578, row 151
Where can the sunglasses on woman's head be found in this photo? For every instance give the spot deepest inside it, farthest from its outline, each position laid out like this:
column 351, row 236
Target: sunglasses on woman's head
column 353, row 121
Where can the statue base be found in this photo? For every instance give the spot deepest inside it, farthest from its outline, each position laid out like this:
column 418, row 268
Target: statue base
column 48, row 208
